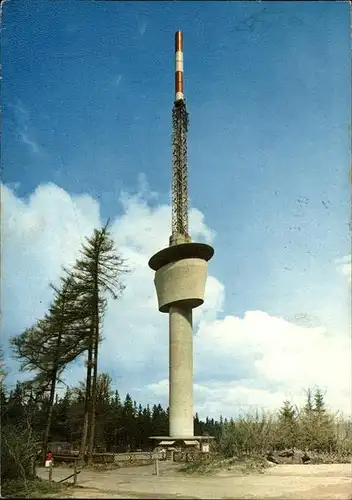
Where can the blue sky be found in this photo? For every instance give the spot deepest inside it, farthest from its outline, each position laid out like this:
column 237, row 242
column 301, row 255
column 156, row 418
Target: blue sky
column 87, row 98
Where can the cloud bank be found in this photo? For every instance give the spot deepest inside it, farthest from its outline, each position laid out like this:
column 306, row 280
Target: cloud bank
column 240, row 362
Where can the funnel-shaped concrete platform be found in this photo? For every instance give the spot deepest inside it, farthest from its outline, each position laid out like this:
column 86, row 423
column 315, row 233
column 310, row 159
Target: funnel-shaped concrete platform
column 181, row 273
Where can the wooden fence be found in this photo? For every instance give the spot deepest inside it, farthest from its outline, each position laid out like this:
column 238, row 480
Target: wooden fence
column 112, row 458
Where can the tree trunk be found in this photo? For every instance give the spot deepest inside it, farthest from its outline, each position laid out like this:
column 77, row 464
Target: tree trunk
column 52, row 388
column 50, row 413
column 87, row 404
column 93, row 409
column 95, row 375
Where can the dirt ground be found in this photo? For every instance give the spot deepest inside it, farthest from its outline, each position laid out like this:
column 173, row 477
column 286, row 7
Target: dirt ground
column 283, row 482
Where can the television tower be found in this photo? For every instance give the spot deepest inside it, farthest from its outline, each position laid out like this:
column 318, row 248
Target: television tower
column 180, row 275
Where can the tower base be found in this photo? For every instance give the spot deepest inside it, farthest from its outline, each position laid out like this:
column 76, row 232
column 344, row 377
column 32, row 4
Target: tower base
column 173, row 443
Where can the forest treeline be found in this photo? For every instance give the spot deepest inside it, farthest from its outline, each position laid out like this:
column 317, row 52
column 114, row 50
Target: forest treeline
column 124, row 425
column 121, row 423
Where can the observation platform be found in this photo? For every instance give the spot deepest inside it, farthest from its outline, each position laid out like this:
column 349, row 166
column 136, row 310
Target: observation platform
column 180, row 275
column 182, row 251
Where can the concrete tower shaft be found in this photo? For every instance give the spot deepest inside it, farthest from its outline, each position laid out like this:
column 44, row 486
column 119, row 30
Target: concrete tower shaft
column 180, row 279
column 180, row 372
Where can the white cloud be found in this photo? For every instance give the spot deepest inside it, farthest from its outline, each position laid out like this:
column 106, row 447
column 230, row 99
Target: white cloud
column 117, row 80
column 25, row 128
column 284, row 358
column 40, row 235
column 256, row 360
column 345, row 266
column 142, row 27
column 32, row 144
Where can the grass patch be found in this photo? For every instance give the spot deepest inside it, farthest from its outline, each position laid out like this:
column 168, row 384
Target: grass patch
column 244, row 465
column 36, row 488
column 254, row 464
column 119, row 465
column 331, row 458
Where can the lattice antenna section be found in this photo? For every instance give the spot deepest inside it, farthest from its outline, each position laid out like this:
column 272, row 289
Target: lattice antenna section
column 179, row 170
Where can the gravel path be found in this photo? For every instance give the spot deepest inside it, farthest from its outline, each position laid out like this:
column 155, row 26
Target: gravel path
column 279, row 482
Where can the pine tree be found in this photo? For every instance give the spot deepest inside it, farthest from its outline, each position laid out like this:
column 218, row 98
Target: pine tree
column 65, row 418
column 103, row 405
column 97, row 274
column 2, row 367
column 51, row 344
column 146, row 426
column 316, row 424
column 287, row 426
column 308, row 407
column 15, row 411
column 325, row 439
column 139, row 425
column 306, row 427
column 319, row 403
column 3, row 399
column 114, row 423
column 128, row 422
column 70, row 341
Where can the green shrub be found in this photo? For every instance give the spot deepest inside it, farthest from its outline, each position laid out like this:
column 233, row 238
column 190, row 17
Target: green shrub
column 35, row 488
column 18, row 453
column 312, row 428
column 249, row 434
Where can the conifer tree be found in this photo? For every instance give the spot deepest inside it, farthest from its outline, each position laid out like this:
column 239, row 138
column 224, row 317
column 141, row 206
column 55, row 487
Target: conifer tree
column 97, row 274
column 2, row 368
column 288, row 427
column 325, row 439
column 316, row 424
column 51, row 344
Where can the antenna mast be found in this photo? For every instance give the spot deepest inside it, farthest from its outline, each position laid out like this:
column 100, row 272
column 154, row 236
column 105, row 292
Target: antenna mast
column 179, row 153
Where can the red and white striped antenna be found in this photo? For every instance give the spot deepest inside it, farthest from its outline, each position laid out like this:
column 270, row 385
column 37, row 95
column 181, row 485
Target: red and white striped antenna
column 179, row 66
